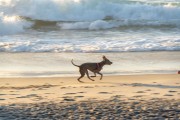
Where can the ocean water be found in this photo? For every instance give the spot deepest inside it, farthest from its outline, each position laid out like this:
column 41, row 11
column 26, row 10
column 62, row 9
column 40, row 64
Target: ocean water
column 95, row 27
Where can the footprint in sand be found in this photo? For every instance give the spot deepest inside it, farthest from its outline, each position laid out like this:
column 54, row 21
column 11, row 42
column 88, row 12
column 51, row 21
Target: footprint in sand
column 172, row 91
column 63, row 87
column 138, row 96
column 156, row 93
column 22, row 97
column 69, row 99
column 135, row 84
column 168, row 95
column 81, row 92
column 118, row 96
column 48, row 93
column 140, row 92
column 11, row 91
column 13, row 94
column 79, row 96
column 70, row 93
column 88, row 87
column 32, row 95
column 104, row 93
column 41, row 89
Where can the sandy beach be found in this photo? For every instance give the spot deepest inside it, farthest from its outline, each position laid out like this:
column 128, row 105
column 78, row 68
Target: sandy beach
column 40, row 38
column 115, row 97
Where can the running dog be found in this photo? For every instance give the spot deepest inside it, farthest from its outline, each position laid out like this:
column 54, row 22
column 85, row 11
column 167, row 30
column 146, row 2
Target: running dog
column 93, row 67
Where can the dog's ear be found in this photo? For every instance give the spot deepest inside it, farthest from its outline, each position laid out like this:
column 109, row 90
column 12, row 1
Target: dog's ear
column 104, row 57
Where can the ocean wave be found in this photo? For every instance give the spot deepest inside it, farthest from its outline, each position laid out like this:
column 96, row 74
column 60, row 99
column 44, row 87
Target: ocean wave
column 17, row 15
column 129, row 24
column 12, row 24
column 89, row 10
column 95, row 25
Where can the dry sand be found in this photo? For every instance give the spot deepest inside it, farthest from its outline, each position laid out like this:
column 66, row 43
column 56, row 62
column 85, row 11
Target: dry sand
column 114, row 97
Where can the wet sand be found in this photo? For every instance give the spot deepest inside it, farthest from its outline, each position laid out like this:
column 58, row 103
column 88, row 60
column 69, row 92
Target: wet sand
column 114, row 97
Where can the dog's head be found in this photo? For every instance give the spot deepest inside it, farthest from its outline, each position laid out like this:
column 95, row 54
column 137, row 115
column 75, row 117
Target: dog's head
column 107, row 62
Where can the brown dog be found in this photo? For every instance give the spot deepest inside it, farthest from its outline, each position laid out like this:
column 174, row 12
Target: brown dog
column 93, row 67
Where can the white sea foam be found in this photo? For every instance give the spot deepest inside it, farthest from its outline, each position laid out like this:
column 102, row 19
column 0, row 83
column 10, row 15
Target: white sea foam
column 94, row 45
column 100, row 24
column 12, row 24
column 103, row 24
column 95, row 25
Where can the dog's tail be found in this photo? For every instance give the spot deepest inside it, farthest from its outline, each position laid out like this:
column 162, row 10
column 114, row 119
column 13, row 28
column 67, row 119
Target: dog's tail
column 74, row 64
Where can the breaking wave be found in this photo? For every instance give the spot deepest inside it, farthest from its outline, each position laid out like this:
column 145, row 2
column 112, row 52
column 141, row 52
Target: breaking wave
column 18, row 15
column 12, row 24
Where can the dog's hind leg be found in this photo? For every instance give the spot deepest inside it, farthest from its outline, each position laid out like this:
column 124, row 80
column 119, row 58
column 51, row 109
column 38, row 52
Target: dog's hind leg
column 82, row 75
column 101, row 75
column 88, row 75
column 80, row 78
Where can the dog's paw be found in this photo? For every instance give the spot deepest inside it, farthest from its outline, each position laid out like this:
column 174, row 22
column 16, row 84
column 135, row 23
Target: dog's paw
column 80, row 81
column 92, row 76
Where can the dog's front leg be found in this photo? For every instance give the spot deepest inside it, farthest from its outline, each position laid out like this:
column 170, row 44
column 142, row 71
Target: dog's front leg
column 100, row 74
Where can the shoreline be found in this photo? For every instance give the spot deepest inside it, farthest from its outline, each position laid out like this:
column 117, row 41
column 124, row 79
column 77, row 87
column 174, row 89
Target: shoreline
column 76, row 76
column 59, row 64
